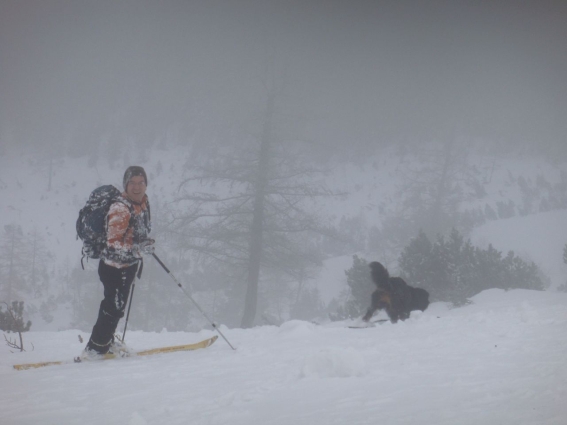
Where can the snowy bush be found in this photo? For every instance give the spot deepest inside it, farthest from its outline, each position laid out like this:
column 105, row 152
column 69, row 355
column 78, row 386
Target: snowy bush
column 12, row 319
column 454, row 270
column 361, row 288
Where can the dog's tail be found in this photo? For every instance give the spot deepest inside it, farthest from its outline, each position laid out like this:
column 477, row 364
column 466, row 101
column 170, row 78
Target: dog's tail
column 421, row 298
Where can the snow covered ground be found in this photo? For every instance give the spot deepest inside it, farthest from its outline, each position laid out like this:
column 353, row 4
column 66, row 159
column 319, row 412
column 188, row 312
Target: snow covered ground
column 499, row 361
column 539, row 238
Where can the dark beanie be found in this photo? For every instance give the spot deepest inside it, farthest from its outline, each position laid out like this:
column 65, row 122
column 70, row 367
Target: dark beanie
column 134, row 171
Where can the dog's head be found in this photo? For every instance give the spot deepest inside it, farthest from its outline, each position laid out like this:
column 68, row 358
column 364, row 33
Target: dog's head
column 379, row 274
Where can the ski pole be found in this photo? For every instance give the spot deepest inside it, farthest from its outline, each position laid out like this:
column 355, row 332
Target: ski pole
column 128, row 313
column 191, row 298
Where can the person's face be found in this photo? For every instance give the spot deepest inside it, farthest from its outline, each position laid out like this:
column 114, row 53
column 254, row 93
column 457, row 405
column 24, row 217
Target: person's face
column 136, row 188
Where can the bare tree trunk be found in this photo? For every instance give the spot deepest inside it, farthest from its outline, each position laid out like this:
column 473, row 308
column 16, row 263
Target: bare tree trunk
column 257, row 227
column 442, row 190
column 33, row 265
column 300, row 285
column 11, row 274
column 50, row 174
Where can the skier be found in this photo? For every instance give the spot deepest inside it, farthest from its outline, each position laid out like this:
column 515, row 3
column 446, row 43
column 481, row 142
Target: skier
column 128, row 226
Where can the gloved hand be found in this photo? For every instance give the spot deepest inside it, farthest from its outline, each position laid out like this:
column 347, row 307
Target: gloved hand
column 147, row 246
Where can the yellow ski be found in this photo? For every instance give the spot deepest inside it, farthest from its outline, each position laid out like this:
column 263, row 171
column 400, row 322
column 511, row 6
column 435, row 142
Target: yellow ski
column 203, row 344
column 187, row 347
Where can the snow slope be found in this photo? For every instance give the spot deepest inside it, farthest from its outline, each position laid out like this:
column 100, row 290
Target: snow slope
column 25, row 201
column 539, row 238
column 500, row 361
column 371, row 189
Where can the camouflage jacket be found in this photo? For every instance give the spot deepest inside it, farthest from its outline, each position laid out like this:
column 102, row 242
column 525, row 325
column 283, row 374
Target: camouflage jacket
column 128, row 224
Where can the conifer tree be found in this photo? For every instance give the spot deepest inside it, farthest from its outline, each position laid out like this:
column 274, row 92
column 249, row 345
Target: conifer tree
column 454, row 270
column 12, row 320
column 13, row 264
column 422, row 265
column 247, row 208
column 39, row 261
column 361, row 287
column 563, row 287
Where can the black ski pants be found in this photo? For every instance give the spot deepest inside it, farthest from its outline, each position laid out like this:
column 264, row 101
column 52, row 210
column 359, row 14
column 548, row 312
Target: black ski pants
column 117, row 283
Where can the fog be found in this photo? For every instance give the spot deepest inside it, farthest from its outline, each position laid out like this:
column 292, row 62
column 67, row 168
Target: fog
column 432, row 116
column 364, row 73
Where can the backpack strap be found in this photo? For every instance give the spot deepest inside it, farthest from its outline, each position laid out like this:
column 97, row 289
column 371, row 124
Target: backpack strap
column 131, row 226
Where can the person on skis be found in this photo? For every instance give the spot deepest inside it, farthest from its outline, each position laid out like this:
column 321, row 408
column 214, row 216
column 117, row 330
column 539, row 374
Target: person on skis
column 128, row 227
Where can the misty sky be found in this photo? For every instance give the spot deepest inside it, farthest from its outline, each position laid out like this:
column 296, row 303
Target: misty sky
column 363, row 71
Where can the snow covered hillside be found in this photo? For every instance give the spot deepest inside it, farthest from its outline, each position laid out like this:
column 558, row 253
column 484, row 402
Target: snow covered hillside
column 26, row 200
column 539, row 238
column 372, row 189
column 498, row 361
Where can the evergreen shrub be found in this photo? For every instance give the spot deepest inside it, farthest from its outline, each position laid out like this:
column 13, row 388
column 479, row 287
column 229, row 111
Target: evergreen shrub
column 452, row 269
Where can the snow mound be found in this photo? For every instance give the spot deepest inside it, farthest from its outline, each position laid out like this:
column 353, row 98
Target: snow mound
column 297, row 328
column 334, row 363
column 517, row 305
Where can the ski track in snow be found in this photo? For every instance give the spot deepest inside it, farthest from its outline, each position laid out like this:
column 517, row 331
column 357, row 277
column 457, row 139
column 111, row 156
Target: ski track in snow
column 500, row 361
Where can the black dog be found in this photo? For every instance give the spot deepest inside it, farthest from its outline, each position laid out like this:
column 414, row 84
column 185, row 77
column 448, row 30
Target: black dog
column 394, row 295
